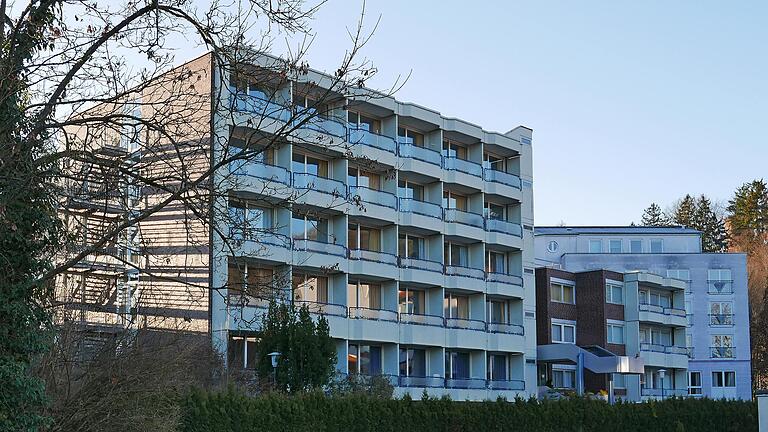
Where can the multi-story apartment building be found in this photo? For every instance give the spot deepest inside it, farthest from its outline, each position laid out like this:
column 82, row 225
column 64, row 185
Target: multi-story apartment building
column 629, row 318
column 410, row 231
column 715, row 296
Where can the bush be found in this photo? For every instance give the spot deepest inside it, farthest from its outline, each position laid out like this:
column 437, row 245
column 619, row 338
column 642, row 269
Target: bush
column 232, row 411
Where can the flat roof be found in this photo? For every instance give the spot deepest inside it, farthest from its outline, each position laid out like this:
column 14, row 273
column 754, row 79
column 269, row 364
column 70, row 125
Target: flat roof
column 575, row 230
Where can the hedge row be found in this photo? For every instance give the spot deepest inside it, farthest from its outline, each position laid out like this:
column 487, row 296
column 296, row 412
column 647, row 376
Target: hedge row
column 231, row 411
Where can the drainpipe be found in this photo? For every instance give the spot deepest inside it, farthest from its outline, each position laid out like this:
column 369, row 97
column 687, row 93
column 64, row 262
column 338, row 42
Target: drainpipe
column 580, row 373
column 611, row 397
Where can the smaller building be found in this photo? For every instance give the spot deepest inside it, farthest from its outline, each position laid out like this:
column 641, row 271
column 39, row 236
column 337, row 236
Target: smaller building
column 629, row 330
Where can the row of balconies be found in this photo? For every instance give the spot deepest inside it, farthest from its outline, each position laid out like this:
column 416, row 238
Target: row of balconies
column 436, row 382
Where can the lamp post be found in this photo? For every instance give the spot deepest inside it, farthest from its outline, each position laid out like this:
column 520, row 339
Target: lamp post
column 662, row 373
column 274, row 356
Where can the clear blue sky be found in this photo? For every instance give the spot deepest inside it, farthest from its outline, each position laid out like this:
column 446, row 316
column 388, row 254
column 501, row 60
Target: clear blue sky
column 630, row 102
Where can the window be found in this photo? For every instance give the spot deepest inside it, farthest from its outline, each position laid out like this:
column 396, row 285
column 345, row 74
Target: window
column 552, row 246
column 563, row 378
column 614, row 246
column 721, row 314
column 496, row 262
column 411, row 301
column 456, row 306
column 595, row 246
column 614, row 293
column 694, row 383
column 498, row 311
column 494, row 211
column 452, row 149
column 636, row 246
column 456, row 365
column 364, row 295
column 413, row 362
column 563, row 333
column 364, row 359
column 361, row 121
column 365, row 238
column 657, row 245
column 409, row 190
column 616, row 333
column 241, row 351
column 563, row 293
column 410, row 246
column 681, row 274
column 453, row 201
column 310, row 165
column 493, row 162
column 619, row 381
column 310, row 288
column 456, row 255
column 723, row 379
column 365, row 179
column 248, row 220
column 306, row 227
column 722, row 346
column 497, row 367
column 408, row 136
column 720, row 281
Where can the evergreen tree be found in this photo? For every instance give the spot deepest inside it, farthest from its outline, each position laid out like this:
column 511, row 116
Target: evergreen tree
column 748, row 210
column 712, row 227
column 653, row 216
column 684, row 212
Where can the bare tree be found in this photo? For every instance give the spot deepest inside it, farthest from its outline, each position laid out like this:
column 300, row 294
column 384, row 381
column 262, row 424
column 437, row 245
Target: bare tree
column 140, row 158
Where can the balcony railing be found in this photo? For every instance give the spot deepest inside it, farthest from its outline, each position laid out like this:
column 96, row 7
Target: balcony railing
column 318, row 123
column 372, row 314
column 647, row 307
column 368, row 138
column 260, row 105
column 666, row 393
column 504, row 278
column 462, row 165
column 666, row 349
column 420, row 264
column 319, row 247
column 506, row 384
column 421, row 319
column 405, row 148
column 504, row 227
column 373, row 196
column 323, row 308
column 720, row 287
column 260, row 170
column 465, row 324
column 422, row 381
column 372, row 256
column 515, row 329
column 424, row 208
column 465, row 383
column 496, row 176
column 470, row 272
column 721, row 319
column 320, row 184
column 721, row 352
column 463, row 217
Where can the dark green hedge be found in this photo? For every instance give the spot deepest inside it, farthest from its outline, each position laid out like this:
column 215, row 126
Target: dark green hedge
column 233, row 412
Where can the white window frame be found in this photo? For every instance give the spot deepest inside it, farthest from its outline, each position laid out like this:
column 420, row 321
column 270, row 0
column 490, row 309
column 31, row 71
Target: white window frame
column 652, row 241
column 613, row 242
column 564, row 369
column 609, row 285
column 722, row 374
column 562, row 284
column 590, row 242
column 563, row 324
column 623, row 379
column 613, row 324
column 692, row 389
column 640, row 241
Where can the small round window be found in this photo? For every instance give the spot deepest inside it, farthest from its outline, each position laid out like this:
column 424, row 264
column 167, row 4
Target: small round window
column 552, row 246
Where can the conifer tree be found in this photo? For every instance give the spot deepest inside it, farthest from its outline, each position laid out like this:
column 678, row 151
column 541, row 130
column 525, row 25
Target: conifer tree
column 653, row 216
column 684, row 212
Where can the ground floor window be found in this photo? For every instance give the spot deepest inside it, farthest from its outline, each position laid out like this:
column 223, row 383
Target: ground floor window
column 723, row 379
column 619, row 381
column 364, row 359
column 563, row 378
column 241, row 352
column 694, row 383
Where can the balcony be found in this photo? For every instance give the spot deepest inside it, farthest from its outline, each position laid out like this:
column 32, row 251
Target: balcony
column 317, row 123
column 420, row 271
column 662, row 315
column 462, row 165
column 464, row 277
column 465, row 324
column 666, row 349
column 319, row 184
column 721, row 352
column 503, row 278
column 646, row 307
column 423, row 208
column 313, row 253
column 261, row 105
column 422, row 381
column 504, row 284
column 375, row 263
column 323, row 308
column 501, row 177
column 724, row 320
column 407, row 149
column 260, row 177
column 504, row 328
column 465, row 383
column 663, row 393
column 664, row 356
column 463, row 224
column 374, row 198
column 518, row 385
column 372, row 314
column 503, row 227
column 421, row 319
column 720, row 287
column 371, row 139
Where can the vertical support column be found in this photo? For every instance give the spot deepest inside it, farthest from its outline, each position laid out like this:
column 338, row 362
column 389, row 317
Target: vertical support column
column 580, row 374
column 762, row 410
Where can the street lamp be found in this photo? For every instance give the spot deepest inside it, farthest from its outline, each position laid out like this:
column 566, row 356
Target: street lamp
column 662, row 373
column 274, row 356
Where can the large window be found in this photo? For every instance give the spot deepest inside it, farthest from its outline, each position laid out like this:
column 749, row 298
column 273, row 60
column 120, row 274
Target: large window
column 456, row 365
column 562, row 293
column 636, row 246
column 249, row 220
column 409, row 136
column 614, row 246
column 364, row 295
column 307, row 227
column 656, row 336
column 496, row 262
column 498, row 311
column 452, row 149
column 241, row 351
column 361, row 121
column 493, row 162
column 563, row 378
column 456, row 306
column 614, row 293
column 723, row 379
column 619, row 381
column 310, row 288
column 408, row 189
column 721, row 314
column 720, row 281
column 657, row 245
column 694, row 383
column 456, row 255
column 494, row 211
column 595, row 246
column 410, row 246
column 498, row 367
column 362, row 237
column 453, row 200
column 655, row 298
column 722, row 346
column 360, row 178
column 413, row 362
column 563, row 332
column 411, row 301
column 364, row 359
column 615, row 333
column 310, row 165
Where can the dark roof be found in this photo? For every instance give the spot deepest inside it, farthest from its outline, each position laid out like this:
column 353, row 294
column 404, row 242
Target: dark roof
column 574, row 230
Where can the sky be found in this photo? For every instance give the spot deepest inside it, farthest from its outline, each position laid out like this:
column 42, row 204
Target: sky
column 630, row 102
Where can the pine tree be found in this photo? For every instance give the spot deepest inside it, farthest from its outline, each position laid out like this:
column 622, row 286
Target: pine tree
column 712, row 227
column 683, row 213
column 653, row 216
column 748, row 210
